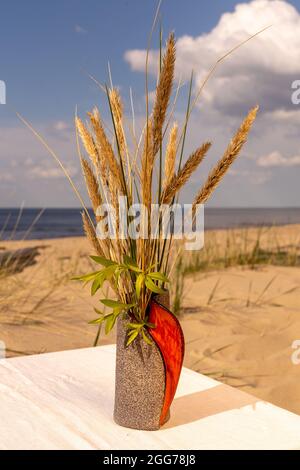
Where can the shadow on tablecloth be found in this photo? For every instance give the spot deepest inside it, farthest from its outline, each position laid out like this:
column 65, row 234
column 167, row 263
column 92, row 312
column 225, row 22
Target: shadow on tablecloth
column 195, row 406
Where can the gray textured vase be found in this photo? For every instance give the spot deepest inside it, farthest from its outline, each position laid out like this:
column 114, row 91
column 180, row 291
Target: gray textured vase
column 140, row 382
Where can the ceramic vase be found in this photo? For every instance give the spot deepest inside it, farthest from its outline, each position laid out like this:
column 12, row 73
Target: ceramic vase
column 147, row 375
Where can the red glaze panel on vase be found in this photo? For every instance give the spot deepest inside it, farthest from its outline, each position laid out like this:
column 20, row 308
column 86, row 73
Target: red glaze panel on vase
column 169, row 338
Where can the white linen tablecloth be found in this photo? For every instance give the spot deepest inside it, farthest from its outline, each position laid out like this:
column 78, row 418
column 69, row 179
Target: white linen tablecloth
column 65, row 400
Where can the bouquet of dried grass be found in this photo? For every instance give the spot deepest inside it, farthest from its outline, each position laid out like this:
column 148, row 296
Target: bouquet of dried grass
column 150, row 172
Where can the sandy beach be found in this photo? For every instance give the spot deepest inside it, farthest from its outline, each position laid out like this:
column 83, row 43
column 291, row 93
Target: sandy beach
column 239, row 321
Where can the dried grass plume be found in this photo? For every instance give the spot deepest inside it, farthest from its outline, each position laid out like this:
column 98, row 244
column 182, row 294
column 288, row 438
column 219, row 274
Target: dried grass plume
column 228, row 158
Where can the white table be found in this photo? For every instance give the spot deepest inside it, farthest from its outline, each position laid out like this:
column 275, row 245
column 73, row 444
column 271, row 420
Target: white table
column 65, row 400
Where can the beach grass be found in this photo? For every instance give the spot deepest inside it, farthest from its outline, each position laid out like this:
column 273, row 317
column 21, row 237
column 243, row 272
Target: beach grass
column 245, row 248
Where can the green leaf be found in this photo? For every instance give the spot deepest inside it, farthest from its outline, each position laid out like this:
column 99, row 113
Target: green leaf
column 151, row 267
column 105, row 275
column 110, row 303
column 139, row 284
column 96, row 321
column 132, row 337
column 129, row 260
column 110, row 322
column 103, row 261
column 150, row 325
column 98, row 311
column 118, row 273
column 110, row 271
column 97, row 284
column 158, row 277
column 134, row 325
column 131, row 264
column 146, row 338
column 116, row 305
column 86, row 277
column 152, row 286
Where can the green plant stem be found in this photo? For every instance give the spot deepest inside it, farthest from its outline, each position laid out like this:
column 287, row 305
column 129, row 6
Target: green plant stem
column 160, row 150
column 97, row 335
column 179, row 167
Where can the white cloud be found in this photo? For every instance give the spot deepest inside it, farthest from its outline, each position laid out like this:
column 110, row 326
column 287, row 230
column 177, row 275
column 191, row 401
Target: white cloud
column 6, row 177
column 51, row 172
column 61, row 126
column 28, row 162
column 252, row 176
column 20, row 147
column 259, row 72
column 275, row 159
column 136, row 59
column 79, row 29
column 37, row 179
column 284, row 116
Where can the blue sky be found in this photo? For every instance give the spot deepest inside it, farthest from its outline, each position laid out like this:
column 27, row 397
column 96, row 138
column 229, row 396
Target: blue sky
column 49, row 48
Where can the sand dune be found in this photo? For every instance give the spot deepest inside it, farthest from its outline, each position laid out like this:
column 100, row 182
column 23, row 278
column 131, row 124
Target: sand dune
column 240, row 333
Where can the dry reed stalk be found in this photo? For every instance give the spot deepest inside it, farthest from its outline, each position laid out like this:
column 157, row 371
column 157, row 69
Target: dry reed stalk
column 228, row 158
column 102, row 162
column 87, row 140
column 102, row 248
column 117, row 110
column 134, row 162
column 163, row 92
column 92, row 185
column 170, row 156
column 146, row 193
column 184, row 174
column 91, row 234
column 147, row 167
column 118, row 117
column 113, row 180
column 172, row 110
column 105, row 149
column 114, row 201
